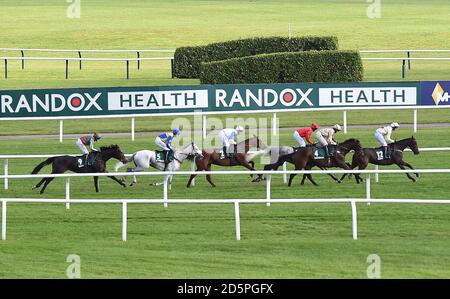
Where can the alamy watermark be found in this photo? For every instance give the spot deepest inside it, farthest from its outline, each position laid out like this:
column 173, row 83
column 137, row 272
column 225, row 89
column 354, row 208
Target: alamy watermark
column 253, row 127
column 74, row 9
column 74, row 268
column 374, row 9
column 374, row 268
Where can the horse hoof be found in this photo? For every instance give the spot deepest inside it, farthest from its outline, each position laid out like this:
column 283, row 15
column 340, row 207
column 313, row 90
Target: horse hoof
column 33, row 188
column 338, row 181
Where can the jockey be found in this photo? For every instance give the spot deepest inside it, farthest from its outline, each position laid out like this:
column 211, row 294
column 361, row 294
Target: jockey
column 226, row 136
column 305, row 132
column 383, row 135
column 326, row 136
column 87, row 140
column 164, row 141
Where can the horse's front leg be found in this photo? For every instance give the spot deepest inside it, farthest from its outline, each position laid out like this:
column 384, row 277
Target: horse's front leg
column 407, row 174
column 250, row 166
column 410, row 167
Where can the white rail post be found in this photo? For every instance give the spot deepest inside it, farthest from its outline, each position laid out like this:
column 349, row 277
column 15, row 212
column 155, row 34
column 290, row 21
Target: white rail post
column 274, row 124
column 4, row 220
column 238, row 220
column 204, row 126
column 6, row 174
column 376, row 174
column 268, row 181
column 124, row 221
column 193, row 168
column 345, row 121
column 67, row 193
column 132, row 128
column 415, row 121
column 285, row 174
column 354, row 221
column 61, row 128
column 166, row 180
column 368, row 188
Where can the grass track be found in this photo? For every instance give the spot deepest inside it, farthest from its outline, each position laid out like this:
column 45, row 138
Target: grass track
column 185, row 241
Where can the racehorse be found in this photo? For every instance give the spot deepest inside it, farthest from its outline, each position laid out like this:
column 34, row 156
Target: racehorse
column 337, row 161
column 304, row 158
column 240, row 157
column 61, row 164
column 369, row 155
column 146, row 158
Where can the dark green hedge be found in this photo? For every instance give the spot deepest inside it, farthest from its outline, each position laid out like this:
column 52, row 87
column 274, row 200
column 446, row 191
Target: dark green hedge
column 312, row 66
column 188, row 59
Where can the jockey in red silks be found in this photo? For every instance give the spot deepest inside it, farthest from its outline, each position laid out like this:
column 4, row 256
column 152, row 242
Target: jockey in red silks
column 301, row 133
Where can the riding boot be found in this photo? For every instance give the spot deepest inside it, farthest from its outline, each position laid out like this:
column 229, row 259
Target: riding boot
column 386, row 152
column 86, row 156
column 327, row 152
column 224, row 152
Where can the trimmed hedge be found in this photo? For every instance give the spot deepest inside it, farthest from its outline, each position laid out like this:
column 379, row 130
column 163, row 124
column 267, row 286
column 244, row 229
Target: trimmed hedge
column 312, row 66
column 187, row 59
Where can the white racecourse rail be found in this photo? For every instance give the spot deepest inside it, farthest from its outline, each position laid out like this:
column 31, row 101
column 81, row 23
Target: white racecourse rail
column 268, row 200
column 6, row 159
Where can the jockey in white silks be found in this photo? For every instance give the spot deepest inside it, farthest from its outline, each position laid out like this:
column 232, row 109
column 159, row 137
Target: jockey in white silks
column 325, row 136
column 383, row 135
column 226, row 136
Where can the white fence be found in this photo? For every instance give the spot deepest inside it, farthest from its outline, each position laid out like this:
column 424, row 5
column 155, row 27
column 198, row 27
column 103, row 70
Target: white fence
column 408, row 57
column 138, row 58
column 6, row 159
column 268, row 200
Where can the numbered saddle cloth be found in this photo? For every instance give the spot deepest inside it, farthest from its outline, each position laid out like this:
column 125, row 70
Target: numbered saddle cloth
column 380, row 153
column 320, row 153
column 81, row 160
column 160, row 156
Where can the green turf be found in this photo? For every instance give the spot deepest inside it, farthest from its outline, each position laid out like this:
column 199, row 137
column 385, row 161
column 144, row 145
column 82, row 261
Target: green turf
column 170, row 24
column 186, row 241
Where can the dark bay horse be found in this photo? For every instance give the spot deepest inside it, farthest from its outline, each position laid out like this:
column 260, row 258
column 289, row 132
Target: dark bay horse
column 369, row 155
column 61, row 164
column 304, row 159
column 240, row 157
column 337, row 161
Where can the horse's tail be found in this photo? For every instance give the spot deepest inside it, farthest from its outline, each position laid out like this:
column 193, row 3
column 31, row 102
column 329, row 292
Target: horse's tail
column 121, row 164
column 41, row 165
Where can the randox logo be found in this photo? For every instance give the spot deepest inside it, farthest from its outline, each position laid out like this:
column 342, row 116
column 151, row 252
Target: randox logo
column 438, row 95
column 49, row 103
column 263, row 97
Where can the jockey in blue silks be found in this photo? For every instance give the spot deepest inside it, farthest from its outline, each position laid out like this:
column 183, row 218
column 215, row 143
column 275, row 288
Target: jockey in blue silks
column 164, row 141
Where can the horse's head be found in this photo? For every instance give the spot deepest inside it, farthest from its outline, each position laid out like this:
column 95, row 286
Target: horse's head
column 193, row 150
column 114, row 151
column 413, row 145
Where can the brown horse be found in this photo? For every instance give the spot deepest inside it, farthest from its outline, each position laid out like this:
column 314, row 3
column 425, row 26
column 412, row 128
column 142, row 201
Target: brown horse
column 369, row 155
column 304, row 159
column 240, row 157
column 337, row 161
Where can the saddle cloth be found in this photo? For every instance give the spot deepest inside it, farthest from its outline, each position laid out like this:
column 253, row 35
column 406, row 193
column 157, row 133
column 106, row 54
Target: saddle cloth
column 319, row 151
column 160, row 156
column 380, row 152
column 92, row 157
